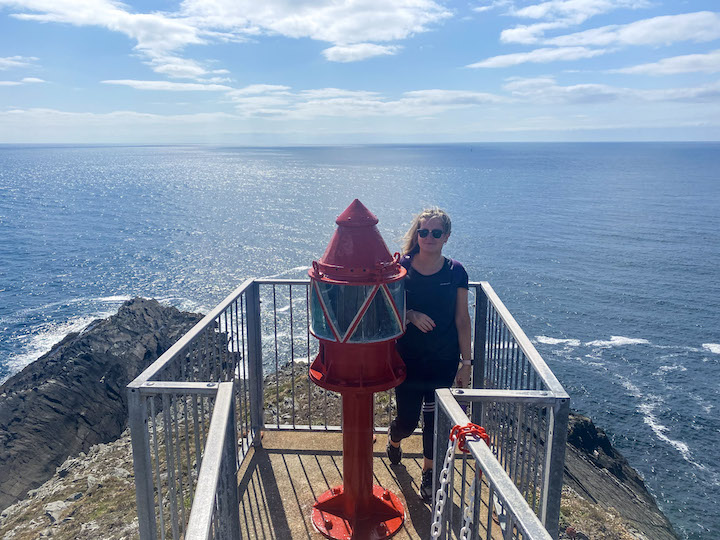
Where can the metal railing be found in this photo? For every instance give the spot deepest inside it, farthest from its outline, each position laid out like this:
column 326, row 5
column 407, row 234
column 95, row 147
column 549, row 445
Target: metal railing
column 482, row 488
column 258, row 338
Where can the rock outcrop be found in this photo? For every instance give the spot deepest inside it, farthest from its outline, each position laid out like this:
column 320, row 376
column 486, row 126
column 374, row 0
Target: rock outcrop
column 598, row 473
column 74, row 396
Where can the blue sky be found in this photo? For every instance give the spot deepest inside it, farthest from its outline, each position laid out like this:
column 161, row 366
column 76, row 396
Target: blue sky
column 358, row 71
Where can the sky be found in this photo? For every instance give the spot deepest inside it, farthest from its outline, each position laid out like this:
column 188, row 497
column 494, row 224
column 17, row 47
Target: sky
column 274, row 72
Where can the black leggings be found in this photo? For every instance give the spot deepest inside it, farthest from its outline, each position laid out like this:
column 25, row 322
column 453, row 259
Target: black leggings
column 413, row 396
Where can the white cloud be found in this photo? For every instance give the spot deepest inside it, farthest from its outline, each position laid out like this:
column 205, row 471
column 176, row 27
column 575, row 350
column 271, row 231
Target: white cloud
column 255, row 89
column 358, row 51
column 156, row 34
column 32, row 80
column 699, row 94
column 10, row 83
column 699, row 27
column 575, row 11
column 9, row 62
column 341, row 22
column 560, row 14
column 168, row 86
column 282, row 102
column 540, row 56
column 689, row 63
column 546, row 90
column 528, row 34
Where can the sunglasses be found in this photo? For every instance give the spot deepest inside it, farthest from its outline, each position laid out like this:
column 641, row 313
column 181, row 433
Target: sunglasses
column 437, row 233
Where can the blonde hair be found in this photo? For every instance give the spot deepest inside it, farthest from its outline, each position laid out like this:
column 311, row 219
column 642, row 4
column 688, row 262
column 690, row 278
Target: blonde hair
column 410, row 239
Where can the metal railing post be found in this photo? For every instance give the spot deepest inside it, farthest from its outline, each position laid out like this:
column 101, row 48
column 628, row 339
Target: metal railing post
column 554, row 466
column 228, row 502
column 443, row 425
column 255, row 369
column 142, row 466
column 479, row 351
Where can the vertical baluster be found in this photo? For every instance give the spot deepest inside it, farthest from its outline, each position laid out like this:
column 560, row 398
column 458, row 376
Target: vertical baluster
column 292, row 356
column 156, row 448
column 178, row 460
column 169, row 456
column 188, row 454
column 277, row 368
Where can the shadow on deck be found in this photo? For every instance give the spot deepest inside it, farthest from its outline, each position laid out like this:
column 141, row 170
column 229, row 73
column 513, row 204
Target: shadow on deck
column 280, row 482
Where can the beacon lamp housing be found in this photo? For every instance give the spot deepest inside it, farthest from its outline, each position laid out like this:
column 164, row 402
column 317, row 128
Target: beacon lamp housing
column 357, row 307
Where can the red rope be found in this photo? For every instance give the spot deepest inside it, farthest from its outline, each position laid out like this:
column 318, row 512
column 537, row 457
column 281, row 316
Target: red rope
column 461, row 433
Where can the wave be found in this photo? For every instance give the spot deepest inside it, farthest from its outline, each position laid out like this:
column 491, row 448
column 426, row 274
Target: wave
column 557, row 341
column 712, row 347
column 648, row 405
column 617, row 341
column 43, row 338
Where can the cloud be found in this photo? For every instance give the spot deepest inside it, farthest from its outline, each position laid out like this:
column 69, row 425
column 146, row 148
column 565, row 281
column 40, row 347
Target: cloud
column 699, row 27
column 281, row 102
column 528, row 34
column 25, row 80
column 168, row 86
column 10, row 62
column 358, row 51
column 560, row 14
column 538, row 56
column 156, row 34
column 699, row 94
column 689, row 63
column 575, row 11
column 341, row 22
column 546, row 90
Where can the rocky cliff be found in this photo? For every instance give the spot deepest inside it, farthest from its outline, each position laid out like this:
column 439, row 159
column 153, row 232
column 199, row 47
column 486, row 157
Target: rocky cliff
column 74, row 396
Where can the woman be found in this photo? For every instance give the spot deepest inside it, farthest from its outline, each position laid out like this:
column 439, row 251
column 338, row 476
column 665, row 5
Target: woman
column 437, row 335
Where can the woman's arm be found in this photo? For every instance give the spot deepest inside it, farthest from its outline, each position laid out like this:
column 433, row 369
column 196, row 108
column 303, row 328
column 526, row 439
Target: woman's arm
column 462, row 322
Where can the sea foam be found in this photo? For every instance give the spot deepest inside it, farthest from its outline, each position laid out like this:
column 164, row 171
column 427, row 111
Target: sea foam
column 617, row 341
column 712, row 347
column 557, row 341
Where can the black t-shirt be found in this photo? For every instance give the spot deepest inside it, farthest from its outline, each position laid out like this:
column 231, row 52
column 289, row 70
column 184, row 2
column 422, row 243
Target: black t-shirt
column 435, row 296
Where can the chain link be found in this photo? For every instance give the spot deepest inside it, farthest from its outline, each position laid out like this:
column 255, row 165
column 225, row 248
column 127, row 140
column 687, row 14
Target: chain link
column 468, row 515
column 442, row 491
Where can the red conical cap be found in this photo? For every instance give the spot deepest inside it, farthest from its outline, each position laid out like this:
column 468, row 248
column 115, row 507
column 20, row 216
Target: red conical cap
column 357, row 253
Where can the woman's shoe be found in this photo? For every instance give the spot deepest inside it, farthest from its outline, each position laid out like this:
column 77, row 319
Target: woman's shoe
column 394, row 453
column 426, row 492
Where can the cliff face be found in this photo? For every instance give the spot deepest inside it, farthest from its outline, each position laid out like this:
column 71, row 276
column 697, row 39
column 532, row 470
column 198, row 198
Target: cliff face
column 598, row 473
column 74, row 396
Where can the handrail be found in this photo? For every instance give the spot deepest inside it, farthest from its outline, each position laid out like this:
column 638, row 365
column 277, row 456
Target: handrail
column 182, row 344
column 522, row 515
column 215, row 456
column 522, row 340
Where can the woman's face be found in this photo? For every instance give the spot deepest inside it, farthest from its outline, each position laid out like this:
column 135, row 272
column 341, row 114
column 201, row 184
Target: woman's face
column 430, row 244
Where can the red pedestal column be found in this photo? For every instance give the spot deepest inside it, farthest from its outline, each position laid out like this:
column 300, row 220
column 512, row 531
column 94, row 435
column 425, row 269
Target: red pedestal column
column 358, row 509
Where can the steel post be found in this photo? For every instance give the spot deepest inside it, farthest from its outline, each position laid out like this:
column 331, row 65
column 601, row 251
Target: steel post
column 554, row 466
column 255, row 367
column 142, row 465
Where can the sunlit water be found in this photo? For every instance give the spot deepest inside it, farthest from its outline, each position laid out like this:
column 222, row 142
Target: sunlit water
column 607, row 255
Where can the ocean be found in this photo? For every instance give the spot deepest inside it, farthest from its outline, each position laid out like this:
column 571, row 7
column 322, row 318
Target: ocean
column 607, row 254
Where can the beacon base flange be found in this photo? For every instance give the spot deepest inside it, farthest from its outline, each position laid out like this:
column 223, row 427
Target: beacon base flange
column 382, row 519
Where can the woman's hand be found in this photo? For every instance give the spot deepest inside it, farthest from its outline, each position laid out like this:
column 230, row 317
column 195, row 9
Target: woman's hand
column 462, row 379
column 423, row 322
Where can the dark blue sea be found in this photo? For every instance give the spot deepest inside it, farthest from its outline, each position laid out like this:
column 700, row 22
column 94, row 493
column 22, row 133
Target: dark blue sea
column 608, row 255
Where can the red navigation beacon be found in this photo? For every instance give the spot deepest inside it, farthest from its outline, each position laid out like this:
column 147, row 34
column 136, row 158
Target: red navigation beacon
column 357, row 309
